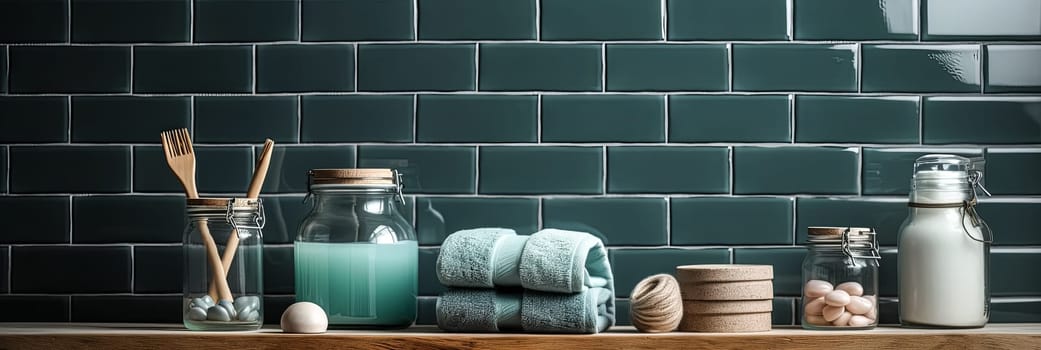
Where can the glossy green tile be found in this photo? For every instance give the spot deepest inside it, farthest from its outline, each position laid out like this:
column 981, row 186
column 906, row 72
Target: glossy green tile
column 541, row 170
column 888, row 273
column 245, row 20
column 426, row 311
column 1015, row 311
column 541, row 67
column 305, row 68
column 1013, row 222
column 1012, row 20
column 856, row 20
column 632, row 265
column 196, row 69
column 672, row 67
column 622, row 312
column 438, row 217
column 1012, row 171
column 289, row 165
column 140, row 119
column 888, row 171
column 3, row 72
column 45, row 169
column 658, row 169
column 34, row 308
column 279, row 275
column 783, row 311
column 69, row 69
column 616, row 221
column 787, row 263
column 143, row 219
column 883, row 215
column 1007, row 277
column 426, row 169
column 44, row 21
column 416, row 67
column 218, row 170
column 1012, row 68
column 159, row 269
column 783, row 67
column 34, row 269
column 603, row 118
column 729, row 118
column 428, row 283
column 920, row 68
column 795, row 170
column 711, row 221
column 245, row 119
column 130, row 21
column 4, row 185
column 51, row 226
column 283, row 215
column 4, row 270
column 111, row 308
column 856, row 119
column 344, row 20
column 357, row 118
column 600, row 19
column 477, row 118
column 34, row 119
column 727, row 20
column 476, row 20
column 981, row 120
column 274, row 306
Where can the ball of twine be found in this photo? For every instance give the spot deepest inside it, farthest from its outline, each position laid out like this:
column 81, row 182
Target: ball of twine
column 656, row 305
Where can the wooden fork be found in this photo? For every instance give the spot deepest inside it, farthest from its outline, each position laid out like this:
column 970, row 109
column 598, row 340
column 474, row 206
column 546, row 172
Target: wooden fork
column 180, row 156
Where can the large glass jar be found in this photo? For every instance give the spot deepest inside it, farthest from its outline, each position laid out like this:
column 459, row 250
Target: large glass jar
column 840, row 279
column 223, row 264
column 356, row 254
column 944, row 247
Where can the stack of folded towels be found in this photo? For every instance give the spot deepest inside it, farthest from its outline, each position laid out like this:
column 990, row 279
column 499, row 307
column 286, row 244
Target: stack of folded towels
column 554, row 281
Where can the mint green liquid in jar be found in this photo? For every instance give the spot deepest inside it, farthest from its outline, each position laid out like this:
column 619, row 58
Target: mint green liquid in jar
column 356, row 255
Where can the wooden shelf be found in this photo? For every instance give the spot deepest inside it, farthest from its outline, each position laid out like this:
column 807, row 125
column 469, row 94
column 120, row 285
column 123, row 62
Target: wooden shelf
column 56, row 336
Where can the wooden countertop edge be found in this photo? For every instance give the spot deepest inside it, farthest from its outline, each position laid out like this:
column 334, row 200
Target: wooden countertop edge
column 139, row 336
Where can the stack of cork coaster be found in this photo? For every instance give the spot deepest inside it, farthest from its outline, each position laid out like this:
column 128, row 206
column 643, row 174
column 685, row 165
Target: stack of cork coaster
column 726, row 298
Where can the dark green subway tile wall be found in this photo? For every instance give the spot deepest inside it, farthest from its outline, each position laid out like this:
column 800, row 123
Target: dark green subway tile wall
column 677, row 131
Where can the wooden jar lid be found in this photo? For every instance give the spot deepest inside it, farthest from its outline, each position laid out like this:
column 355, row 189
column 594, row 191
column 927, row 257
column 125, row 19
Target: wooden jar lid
column 700, row 307
column 739, row 290
column 352, row 176
column 726, row 323
column 723, row 273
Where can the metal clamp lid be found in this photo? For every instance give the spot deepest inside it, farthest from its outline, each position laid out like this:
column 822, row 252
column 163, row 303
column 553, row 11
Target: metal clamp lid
column 240, row 205
column 855, row 242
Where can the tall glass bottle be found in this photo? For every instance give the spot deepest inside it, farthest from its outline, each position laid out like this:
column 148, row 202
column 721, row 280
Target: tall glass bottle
column 944, row 247
column 356, row 254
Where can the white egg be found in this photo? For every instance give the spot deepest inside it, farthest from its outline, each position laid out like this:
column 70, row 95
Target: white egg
column 853, row 288
column 832, row 313
column 837, row 298
column 815, row 307
column 304, row 317
column 816, row 288
column 859, row 305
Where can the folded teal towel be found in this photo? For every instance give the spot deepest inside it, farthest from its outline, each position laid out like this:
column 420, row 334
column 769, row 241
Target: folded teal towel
column 564, row 262
column 481, row 258
column 491, row 310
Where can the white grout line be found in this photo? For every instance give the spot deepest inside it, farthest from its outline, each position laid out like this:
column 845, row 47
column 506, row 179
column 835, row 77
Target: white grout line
column 603, row 179
column 477, row 66
column 299, row 119
column 921, row 120
column 730, row 160
column 795, row 221
column 603, row 67
column 730, row 67
column 924, row 44
column 72, row 217
column 668, row 221
column 356, row 47
column 68, row 110
column 538, row 220
column 10, row 252
column 415, row 118
column 966, row 95
column 538, row 20
column 859, row 57
column 133, row 272
column 254, row 77
column 538, row 119
column 791, row 118
column 191, row 22
column 789, row 19
column 477, row 170
column 415, row 20
column 68, row 22
column 982, row 67
column 667, row 98
column 299, row 20
column 916, row 18
column 860, row 171
column 131, row 77
column 880, row 146
column 131, row 177
column 664, row 20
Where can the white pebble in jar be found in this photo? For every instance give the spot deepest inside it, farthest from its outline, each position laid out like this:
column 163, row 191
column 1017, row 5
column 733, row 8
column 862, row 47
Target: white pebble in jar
column 837, row 298
column 832, row 313
column 815, row 307
column 843, row 319
column 817, row 288
column 860, row 321
column 851, row 288
column 859, row 305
